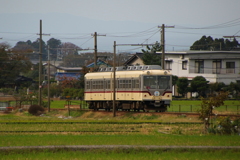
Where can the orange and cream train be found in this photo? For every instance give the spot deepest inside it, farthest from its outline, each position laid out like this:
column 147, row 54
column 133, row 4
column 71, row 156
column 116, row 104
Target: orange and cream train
column 137, row 88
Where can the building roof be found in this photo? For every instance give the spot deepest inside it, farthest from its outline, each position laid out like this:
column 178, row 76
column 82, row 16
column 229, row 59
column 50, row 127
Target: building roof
column 99, row 63
column 135, row 56
column 60, row 75
column 202, row 52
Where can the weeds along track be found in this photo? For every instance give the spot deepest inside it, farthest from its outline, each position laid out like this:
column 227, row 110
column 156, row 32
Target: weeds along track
column 99, row 127
column 157, row 113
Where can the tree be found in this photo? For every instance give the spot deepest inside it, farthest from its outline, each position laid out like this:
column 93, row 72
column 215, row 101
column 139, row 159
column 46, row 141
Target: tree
column 217, row 87
column 150, row 57
column 234, row 89
column 174, row 80
column 54, row 45
column 69, row 48
column 207, row 43
column 182, row 84
column 207, row 106
column 36, row 45
column 11, row 65
column 199, row 84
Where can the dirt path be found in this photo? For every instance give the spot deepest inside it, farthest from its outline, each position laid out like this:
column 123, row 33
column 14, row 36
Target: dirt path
column 113, row 147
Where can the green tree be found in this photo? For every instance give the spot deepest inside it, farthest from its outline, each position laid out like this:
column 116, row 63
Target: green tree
column 54, row 44
column 207, row 106
column 36, row 45
column 234, row 89
column 174, row 80
column 217, row 87
column 182, row 84
column 149, row 55
column 11, row 65
column 200, row 85
column 207, row 43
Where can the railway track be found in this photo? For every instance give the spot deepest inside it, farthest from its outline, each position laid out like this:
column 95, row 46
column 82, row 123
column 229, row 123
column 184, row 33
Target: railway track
column 157, row 113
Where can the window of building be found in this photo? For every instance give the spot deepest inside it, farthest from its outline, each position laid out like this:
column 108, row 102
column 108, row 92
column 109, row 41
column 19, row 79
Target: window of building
column 216, row 66
column 184, row 65
column 168, row 64
column 199, row 66
column 230, row 67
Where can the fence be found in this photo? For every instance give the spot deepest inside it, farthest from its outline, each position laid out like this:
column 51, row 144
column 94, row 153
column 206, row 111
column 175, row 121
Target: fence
column 225, row 109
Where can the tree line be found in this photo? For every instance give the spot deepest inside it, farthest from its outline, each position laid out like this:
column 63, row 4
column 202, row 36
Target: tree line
column 202, row 87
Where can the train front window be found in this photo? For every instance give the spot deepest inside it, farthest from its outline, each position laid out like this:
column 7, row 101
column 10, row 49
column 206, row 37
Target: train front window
column 156, row 82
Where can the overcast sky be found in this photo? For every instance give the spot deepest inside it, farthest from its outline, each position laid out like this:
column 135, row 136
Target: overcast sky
column 124, row 21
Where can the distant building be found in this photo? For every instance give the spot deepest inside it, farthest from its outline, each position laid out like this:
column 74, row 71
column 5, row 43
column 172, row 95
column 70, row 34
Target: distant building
column 215, row 66
column 100, row 63
column 68, row 72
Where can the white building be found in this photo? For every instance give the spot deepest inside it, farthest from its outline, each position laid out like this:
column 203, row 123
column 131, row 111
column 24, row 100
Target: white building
column 215, row 66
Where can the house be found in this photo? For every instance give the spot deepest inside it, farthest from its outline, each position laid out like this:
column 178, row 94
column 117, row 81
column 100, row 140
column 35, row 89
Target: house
column 215, row 66
column 68, row 72
column 136, row 59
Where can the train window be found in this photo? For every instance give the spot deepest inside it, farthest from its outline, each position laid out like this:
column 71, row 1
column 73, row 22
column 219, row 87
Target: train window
column 164, row 82
column 93, row 85
column 146, row 67
column 122, row 84
column 100, row 84
column 156, row 82
column 108, row 84
column 137, row 84
column 88, row 85
column 129, row 83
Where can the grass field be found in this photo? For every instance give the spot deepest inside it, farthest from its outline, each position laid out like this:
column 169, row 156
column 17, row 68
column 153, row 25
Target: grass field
column 94, row 128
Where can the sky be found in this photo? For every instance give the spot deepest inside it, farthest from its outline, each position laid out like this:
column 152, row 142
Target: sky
column 123, row 21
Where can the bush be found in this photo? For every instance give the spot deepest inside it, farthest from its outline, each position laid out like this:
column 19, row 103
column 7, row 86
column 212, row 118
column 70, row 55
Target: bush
column 36, row 110
column 226, row 126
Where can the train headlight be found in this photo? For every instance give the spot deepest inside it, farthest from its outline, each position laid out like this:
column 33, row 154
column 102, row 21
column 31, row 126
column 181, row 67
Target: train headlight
column 156, row 93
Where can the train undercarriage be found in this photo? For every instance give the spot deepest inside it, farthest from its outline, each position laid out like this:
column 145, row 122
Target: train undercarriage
column 145, row 106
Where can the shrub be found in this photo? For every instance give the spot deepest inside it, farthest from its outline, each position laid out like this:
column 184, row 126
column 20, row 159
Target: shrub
column 36, row 110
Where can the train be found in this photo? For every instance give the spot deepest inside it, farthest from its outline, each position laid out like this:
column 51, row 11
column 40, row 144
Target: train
column 137, row 88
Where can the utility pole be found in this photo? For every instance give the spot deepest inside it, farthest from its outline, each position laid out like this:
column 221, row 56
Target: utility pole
column 163, row 43
column 40, row 65
column 95, row 48
column 48, row 80
column 114, row 70
column 114, row 78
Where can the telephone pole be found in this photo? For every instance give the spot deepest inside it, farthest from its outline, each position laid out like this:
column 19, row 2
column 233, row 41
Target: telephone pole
column 40, row 65
column 48, row 79
column 163, row 43
column 95, row 47
column 114, row 79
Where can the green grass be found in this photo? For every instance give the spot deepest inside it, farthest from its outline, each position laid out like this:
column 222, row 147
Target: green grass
column 105, row 139
column 124, row 154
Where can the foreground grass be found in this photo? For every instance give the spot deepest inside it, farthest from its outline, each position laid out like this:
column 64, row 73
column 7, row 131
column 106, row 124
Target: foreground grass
column 135, row 139
column 123, row 155
column 149, row 134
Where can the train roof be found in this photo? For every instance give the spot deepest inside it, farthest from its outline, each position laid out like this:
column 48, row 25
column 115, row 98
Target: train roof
column 130, row 68
column 130, row 71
